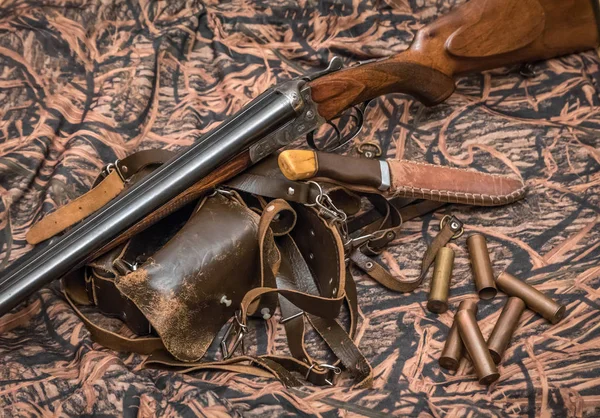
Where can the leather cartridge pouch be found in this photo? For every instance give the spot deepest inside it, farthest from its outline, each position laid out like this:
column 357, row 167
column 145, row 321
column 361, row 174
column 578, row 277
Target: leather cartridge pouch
column 186, row 285
column 193, row 285
column 180, row 281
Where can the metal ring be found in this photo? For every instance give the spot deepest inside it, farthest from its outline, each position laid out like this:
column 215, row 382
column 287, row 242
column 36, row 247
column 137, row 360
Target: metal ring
column 458, row 234
column 320, row 195
column 361, row 151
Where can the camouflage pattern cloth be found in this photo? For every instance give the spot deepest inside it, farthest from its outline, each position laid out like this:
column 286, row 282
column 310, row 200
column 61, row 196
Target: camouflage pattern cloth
column 83, row 82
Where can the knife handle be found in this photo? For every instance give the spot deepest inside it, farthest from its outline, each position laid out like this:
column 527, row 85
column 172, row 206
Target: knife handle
column 306, row 164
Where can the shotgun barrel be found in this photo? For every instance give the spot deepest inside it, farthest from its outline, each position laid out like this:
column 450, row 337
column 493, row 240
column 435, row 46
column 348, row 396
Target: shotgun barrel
column 265, row 119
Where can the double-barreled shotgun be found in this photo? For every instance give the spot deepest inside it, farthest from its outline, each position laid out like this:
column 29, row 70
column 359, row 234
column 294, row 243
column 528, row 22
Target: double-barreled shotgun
column 479, row 35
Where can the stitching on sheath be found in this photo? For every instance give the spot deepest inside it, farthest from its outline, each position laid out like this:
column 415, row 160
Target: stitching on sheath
column 464, row 170
column 459, row 197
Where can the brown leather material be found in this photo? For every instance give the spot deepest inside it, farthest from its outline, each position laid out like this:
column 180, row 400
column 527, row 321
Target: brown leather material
column 116, row 341
column 363, row 171
column 98, row 277
column 195, row 262
column 76, row 210
column 276, row 188
column 140, row 160
column 453, row 185
column 265, row 179
column 235, row 166
column 317, row 305
column 105, row 189
column 267, row 367
column 298, row 273
column 381, row 275
column 449, row 230
column 344, row 348
column 416, row 210
column 111, row 302
column 325, row 258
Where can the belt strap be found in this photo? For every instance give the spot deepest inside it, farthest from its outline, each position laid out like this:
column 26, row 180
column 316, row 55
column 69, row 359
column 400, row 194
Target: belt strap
column 102, row 193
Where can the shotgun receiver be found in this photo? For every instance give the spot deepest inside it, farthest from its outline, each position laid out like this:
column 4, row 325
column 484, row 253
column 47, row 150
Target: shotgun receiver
column 479, row 35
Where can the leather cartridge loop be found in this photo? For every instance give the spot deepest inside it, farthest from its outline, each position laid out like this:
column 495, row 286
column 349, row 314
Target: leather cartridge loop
column 451, row 228
column 360, row 255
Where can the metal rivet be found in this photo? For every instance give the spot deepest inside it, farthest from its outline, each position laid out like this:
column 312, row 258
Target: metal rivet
column 225, row 301
column 312, row 232
column 390, row 235
column 310, row 114
column 311, row 256
column 369, row 265
column 334, row 291
column 369, row 154
column 454, row 225
column 291, row 191
column 124, row 169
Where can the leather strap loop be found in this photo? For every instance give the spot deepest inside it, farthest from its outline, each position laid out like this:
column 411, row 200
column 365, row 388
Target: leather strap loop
column 105, row 189
column 449, row 229
column 76, row 210
column 114, row 341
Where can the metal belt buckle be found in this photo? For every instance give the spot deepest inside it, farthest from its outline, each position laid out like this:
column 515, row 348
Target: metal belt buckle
column 233, row 336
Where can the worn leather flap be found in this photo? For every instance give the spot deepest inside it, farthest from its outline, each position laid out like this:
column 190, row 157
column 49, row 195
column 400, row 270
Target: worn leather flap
column 191, row 287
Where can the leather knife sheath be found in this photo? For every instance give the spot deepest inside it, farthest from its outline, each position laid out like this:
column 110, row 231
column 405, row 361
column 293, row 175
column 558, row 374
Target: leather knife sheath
column 403, row 178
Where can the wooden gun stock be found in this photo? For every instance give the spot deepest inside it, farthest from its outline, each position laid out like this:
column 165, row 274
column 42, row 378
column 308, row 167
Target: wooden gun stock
column 479, row 35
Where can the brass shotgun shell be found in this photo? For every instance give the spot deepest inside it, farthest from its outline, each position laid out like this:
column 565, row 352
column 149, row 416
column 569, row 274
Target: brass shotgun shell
column 476, row 347
column 533, row 298
column 482, row 266
column 453, row 348
column 440, row 282
column 505, row 327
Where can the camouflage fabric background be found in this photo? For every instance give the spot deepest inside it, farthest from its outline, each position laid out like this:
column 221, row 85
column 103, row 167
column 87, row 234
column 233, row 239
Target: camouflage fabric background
column 85, row 82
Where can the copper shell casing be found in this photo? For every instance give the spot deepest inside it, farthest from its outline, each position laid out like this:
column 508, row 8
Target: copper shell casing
column 482, row 266
column 533, row 298
column 454, row 348
column 476, row 347
column 505, row 327
column 437, row 301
